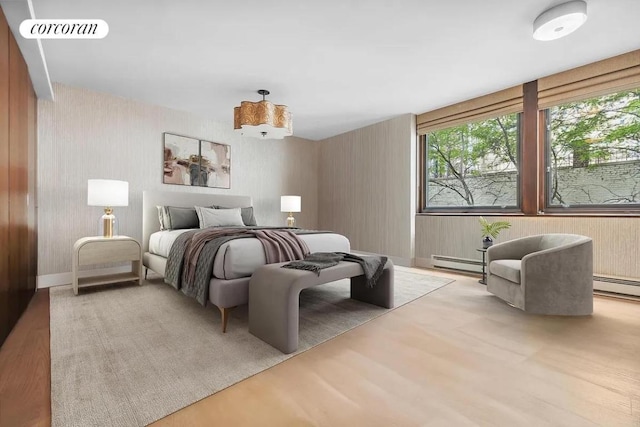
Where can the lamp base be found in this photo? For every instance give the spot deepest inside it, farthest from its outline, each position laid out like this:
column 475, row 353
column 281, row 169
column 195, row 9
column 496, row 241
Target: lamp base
column 108, row 224
column 291, row 221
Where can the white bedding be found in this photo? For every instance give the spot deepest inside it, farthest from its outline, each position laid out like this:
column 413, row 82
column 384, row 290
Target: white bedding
column 240, row 257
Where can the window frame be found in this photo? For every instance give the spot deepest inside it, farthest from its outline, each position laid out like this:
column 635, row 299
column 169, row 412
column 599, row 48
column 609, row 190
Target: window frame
column 532, row 174
column 424, row 179
column 602, row 209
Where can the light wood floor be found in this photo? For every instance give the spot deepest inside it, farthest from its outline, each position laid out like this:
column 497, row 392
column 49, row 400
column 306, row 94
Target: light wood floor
column 456, row 357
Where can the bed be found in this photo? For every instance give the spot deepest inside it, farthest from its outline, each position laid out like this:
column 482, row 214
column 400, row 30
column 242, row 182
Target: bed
column 234, row 262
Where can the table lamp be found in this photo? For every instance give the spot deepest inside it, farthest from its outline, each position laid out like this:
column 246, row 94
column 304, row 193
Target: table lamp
column 108, row 193
column 290, row 204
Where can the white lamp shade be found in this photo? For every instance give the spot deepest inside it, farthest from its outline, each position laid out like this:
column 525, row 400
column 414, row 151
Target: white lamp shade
column 560, row 20
column 290, row 203
column 107, row 192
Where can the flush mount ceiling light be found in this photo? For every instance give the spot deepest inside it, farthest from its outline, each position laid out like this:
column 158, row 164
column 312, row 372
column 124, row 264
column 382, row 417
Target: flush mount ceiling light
column 262, row 119
column 560, row 20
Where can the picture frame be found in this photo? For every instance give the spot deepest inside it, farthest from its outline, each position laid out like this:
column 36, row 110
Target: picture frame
column 195, row 162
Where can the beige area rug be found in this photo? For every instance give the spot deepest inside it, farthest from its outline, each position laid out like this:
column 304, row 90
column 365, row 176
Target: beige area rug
column 130, row 355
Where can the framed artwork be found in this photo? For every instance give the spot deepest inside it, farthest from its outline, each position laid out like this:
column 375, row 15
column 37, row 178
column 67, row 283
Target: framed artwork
column 195, row 162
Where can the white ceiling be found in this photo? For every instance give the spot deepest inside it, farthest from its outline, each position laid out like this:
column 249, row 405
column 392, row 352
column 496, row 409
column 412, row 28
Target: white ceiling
column 338, row 64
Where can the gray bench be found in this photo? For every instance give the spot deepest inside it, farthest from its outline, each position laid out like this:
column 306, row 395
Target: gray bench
column 274, row 298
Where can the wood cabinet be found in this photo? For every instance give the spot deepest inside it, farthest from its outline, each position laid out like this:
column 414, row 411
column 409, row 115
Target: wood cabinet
column 18, row 246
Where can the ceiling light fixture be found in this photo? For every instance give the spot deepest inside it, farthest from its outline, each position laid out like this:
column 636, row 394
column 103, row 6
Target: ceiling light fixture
column 262, row 119
column 560, row 20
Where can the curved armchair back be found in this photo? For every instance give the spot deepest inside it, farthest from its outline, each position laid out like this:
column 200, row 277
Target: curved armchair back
column 544, row 274
column 549, row 241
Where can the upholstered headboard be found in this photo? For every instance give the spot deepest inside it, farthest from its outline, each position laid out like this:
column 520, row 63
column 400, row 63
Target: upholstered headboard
column 152, row 199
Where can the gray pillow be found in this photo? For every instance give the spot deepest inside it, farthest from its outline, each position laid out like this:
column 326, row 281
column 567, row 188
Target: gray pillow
column 219, row 217
column 175, row 218
column 247, row 215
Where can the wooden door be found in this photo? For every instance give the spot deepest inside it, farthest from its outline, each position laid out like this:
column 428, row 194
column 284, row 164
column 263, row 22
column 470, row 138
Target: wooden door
column 18, row 136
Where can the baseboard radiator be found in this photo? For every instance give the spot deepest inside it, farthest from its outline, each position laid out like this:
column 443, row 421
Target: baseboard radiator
column 615, row 285
column 602, row 283
column 628, row 282
column 457, row 264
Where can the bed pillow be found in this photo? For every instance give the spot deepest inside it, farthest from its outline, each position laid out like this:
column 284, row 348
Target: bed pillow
column 176, row 218
column 248, row 218
column 161, row 217
column 209, row 217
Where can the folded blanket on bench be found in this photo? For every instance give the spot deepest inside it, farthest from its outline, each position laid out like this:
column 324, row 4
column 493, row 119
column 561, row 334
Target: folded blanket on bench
column 372, row 265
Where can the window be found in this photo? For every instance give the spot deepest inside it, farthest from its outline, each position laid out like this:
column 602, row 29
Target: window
column 593, row 152
column 565, row 143
column 473, row 165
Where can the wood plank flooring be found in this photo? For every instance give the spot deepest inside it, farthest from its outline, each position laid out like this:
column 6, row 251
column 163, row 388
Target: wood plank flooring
column 458, row 356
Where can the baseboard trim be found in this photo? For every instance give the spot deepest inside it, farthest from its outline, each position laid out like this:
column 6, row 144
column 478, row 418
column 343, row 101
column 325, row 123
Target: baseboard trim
column 424, row 262
column 59, row 279
column 616, row 288
column 404, row 262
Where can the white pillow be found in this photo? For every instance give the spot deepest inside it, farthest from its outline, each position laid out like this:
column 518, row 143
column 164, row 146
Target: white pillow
column 219, row 217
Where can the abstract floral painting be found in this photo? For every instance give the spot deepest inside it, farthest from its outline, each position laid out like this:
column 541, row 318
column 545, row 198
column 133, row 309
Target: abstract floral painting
column 192, row 161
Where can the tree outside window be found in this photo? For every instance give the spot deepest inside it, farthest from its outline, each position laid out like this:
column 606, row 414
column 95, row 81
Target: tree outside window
column 474, row 165
column 593, row 151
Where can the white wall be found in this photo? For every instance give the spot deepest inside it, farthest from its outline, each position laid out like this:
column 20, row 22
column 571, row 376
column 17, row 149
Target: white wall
column 86, row 134
column 367, row 187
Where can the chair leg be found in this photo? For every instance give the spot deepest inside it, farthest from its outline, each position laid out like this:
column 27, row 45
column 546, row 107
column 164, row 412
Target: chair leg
column 146, row 271
column 225, row 317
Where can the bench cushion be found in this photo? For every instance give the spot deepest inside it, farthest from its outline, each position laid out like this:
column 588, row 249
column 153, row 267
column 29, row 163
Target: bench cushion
column 275, row 275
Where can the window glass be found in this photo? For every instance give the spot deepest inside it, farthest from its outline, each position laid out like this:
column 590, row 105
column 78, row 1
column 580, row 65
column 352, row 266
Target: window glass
column 473, row 165
column 593, row 152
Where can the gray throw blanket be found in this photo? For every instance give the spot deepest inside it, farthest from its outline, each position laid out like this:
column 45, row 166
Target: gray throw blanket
column 372, row 265
column 191, row 257
column 197, row 288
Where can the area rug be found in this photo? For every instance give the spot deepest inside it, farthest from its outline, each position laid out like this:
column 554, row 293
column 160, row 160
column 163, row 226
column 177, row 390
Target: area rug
column 130, row 355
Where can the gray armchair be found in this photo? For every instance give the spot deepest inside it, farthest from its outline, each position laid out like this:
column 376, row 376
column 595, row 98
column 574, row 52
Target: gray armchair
column 544, row 274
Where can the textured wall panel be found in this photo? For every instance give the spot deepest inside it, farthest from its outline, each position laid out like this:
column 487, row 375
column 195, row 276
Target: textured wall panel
column 86, row 134
column 616, row 241
column 367, row 186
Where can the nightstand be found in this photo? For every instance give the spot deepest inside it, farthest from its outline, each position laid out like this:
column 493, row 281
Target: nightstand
column 101, row 250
